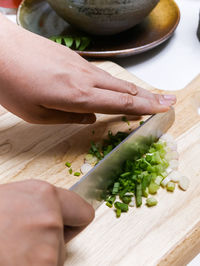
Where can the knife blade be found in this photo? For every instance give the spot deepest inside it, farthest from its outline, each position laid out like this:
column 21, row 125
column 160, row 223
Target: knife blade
column 92, row 186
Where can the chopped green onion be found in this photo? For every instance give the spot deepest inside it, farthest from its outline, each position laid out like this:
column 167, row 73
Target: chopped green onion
column 141, row 123
column 170, row 186
column 77, row 174
column 70, row 171
column 124, row 118
column 68, row 164
column 158, row 180
column 153, row 188
column 139, row 195
column 115, row 188
column 126, row 199
column 122, row 206
column 151, row 202
column 118, row 212
column 110, row 201
column 109, row 204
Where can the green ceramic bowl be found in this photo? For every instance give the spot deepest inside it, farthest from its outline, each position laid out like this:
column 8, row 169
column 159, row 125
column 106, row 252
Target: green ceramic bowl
column 103, row 17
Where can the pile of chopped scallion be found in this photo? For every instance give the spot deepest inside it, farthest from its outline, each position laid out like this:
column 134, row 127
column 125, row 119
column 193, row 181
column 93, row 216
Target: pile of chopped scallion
column 139, row 178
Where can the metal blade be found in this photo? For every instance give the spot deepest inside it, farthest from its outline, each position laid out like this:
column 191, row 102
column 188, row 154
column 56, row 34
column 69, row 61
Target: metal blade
column 94, row 183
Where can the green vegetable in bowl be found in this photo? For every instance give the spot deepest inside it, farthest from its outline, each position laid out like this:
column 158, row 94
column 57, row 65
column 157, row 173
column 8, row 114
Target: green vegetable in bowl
column 76, row 42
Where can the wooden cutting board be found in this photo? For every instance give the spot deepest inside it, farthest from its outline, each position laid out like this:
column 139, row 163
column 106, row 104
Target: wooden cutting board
column 168, row 234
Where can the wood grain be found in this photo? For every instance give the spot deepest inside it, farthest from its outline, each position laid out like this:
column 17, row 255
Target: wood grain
column 167, row 234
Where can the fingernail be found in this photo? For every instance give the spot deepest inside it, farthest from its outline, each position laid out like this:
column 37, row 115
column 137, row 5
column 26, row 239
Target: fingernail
column 167, row 99
column 170, row 97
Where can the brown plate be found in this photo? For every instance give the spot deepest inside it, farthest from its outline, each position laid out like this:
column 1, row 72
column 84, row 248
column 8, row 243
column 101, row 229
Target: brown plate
column 40, row 18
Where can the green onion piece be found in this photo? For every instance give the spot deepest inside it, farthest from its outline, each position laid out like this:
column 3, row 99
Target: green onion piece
column 110, row 201
column 68, row 164
column 118, row 212
column 109, row 204
column 170, row 186
column 115, row 188
column 70, row 171
column 158, row 180
column 138, row 195
column 164, row 174
column 141, row 123
column 77, row 174
column 145, row 183
column 126, row 199
column 153, row 188
column 124, row 118
column 125, row 174
column 122, row 206
column 151, row 202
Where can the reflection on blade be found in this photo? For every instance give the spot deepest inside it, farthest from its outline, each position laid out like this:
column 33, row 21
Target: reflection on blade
column 93, row 185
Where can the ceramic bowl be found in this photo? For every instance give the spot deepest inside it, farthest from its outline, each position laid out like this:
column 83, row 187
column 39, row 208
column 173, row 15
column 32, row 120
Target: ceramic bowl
column 103, row 17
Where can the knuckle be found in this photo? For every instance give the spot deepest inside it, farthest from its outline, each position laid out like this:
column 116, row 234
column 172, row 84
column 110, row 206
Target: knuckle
column 46, row 189
column 132, row 88
column 127, row 102
column 80, row 95
column 53, row 222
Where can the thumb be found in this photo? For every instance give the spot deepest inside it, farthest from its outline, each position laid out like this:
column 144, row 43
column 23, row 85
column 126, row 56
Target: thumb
column 76, row 213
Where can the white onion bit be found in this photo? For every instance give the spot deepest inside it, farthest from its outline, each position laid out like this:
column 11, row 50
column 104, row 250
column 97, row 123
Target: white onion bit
column 184, row 183
column 173, row 164
column 165, row 181
column 128, row 194
column 167, row 138
column 91, row 159
column 85, row 168
column 132, row 203
column 175, row 176
column 169, row 170
column 172, row 155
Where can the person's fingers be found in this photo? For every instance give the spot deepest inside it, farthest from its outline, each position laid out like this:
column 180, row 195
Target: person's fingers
column 149, row 95
column 62, row 252
column 111, row 102
column 106, row 81
column 70, row 232
column 49, row 116
column 75, row 210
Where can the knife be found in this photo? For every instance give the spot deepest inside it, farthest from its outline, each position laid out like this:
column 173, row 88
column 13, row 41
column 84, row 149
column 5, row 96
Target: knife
column 94, row 184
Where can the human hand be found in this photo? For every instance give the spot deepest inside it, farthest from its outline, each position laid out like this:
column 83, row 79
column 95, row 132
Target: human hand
column 37, row 219
column 43, row 82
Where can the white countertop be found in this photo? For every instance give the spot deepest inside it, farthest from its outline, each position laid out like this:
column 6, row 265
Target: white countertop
column 172, row 65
